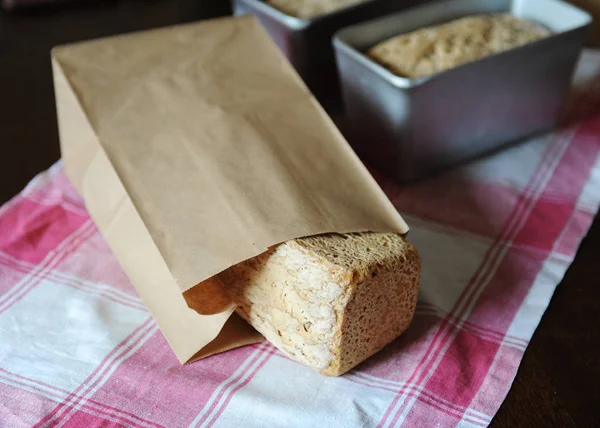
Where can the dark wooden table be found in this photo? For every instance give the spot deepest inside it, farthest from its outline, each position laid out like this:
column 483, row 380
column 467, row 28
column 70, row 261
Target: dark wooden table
column 558, row 383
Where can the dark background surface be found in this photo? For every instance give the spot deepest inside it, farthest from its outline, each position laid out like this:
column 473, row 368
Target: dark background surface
column 558, row 383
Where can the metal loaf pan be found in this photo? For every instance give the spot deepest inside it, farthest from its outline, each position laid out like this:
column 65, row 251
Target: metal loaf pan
column 307, row 42
column 410, row 128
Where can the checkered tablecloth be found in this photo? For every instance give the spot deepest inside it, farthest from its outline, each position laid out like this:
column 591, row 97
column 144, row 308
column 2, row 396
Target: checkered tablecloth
column 78, row 348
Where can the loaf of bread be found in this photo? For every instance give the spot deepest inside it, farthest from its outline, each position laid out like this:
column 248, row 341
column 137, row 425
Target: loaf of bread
column 307, row 9
column 329, row 301
column 434, row 49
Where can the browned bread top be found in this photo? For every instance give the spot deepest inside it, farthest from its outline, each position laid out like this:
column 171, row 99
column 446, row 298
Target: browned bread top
column 311, row 8
column 437, row 48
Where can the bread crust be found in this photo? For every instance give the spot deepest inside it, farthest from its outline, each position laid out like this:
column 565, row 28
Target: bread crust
column 307, row 9
column 437, row 48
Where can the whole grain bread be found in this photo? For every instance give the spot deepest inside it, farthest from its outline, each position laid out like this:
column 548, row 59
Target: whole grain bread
column 437, row 48
column 329, row 301
column 307, row 9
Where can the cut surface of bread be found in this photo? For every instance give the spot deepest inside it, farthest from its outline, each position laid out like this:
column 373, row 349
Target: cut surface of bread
column 329, row 301
column 307, row 9
column 437, row 48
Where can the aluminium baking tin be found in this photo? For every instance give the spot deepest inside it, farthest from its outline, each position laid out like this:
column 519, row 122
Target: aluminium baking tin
column 307, row 42
column 410, row 128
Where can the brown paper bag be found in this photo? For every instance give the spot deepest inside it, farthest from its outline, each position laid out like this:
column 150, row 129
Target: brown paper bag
column 197, row 147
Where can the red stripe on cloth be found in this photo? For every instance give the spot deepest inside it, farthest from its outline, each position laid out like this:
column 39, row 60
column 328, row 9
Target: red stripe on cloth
column 230, row 384
column 9, row 277
column 54, row 258
column 30, row 230
column 20, row 407
column 426, row 416
column 445, row 330
column 83, row 419
column 549, row 218
column 569, row 241
column 240, row 386
column 424, row 395
column 505, row 293
column 107, row 371
column 396, row 361
column 152, row 373
column 471, row 419
column 95, row 262
column 79, row 395
column 501, row 373
column 580, row 139
column 475, row 199
column 574, row 170
column 503, row 296
column 488, row 330
column 482, row 334
column 76, row 283
column 58, row 394
column 462, row 368
column 544, row 225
